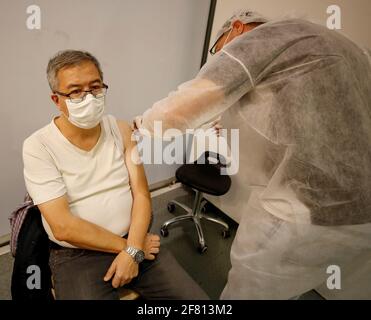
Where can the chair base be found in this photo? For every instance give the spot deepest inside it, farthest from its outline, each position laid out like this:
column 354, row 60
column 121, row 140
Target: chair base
column 196, row 215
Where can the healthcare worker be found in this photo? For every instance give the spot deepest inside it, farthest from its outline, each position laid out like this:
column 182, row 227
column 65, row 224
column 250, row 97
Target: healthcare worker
column 301, row 96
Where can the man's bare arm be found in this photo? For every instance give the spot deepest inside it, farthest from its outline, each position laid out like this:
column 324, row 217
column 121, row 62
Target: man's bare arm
column 123, row 269
column 78, row 232
column 141, row 209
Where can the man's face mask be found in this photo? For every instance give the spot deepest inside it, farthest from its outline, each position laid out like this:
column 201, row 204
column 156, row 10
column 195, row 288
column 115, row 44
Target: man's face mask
column 88, row 113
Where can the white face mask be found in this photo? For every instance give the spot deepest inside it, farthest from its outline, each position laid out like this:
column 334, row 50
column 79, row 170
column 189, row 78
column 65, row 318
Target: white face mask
column 86, row 114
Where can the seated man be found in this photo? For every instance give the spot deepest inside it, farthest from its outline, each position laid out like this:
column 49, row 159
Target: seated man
column 81, row 171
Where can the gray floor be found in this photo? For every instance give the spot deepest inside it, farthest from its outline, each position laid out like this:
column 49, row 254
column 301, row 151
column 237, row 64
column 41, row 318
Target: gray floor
column 6, row 266
column 210, row 270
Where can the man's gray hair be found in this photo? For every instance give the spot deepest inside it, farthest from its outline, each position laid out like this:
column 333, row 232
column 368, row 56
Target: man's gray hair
column 68, row 58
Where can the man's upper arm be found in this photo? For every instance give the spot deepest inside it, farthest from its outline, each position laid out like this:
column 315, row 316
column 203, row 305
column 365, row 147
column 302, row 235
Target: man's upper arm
column 138, row 180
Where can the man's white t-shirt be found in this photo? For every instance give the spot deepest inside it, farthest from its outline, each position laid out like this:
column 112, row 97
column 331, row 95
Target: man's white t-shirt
column 96, row 182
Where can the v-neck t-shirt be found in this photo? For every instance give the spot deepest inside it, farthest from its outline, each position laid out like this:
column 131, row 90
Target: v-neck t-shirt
column 96, row 182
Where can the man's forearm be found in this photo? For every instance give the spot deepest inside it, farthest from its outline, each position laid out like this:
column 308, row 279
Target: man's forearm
column 140, row 220
column 86, row 235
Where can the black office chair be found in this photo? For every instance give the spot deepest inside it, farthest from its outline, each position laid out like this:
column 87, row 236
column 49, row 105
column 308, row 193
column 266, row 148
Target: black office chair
column 202, row 178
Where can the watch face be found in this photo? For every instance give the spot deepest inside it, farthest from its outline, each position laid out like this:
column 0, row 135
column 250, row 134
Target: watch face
column 139, row 256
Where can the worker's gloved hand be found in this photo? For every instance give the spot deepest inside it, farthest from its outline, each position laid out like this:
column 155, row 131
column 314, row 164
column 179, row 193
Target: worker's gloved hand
column 137, row 122
column 217, row 125
column 151, row 246
column 214, row 126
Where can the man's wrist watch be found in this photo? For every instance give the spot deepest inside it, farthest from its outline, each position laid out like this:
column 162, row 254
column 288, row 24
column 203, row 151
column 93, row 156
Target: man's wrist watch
column 136, row 254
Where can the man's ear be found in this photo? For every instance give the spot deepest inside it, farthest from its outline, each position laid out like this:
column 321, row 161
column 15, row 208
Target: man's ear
column 239, row 27
column 55, row 98
column 56, row 101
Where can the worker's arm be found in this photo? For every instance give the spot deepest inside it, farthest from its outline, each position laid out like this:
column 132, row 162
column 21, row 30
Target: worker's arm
column 194, row 104
column 223, row 80
column 199, row 101
column 78, row 232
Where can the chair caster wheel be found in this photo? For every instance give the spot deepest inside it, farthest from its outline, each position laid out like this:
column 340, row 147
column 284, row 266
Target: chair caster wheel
column 226, row 234
column 202, row 249
column 164, row 232
column 171, row 207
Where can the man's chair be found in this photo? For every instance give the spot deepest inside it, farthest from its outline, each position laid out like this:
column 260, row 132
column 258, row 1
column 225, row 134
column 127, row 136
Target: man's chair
column 202, row 178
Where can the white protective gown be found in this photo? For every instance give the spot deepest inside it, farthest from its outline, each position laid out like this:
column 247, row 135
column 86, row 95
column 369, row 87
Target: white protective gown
column 306, row 91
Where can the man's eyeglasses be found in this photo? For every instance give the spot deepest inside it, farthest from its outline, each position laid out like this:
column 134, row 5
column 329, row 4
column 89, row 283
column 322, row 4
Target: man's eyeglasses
column 78, row 95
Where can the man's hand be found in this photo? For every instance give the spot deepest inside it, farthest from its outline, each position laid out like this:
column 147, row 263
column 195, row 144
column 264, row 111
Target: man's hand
column 151, row 246
column 123, row 269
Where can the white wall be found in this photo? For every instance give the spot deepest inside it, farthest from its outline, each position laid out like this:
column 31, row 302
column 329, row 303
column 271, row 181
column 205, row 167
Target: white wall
column 146, row 49
column 355, row 14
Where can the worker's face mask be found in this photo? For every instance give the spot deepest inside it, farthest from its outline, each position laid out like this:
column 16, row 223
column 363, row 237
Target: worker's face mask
column 86, row 114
